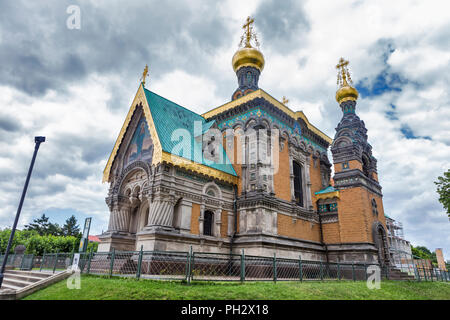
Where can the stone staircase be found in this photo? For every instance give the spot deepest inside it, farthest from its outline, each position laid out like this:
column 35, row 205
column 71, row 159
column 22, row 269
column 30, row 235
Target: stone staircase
column 396, row 274
column 18, row 283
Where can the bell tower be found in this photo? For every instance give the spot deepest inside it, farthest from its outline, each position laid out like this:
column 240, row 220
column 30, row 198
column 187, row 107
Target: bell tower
column 361, row 215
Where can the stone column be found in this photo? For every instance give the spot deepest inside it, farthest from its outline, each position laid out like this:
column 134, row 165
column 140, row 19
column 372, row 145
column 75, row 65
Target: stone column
column 201, row 219
column 308, row 203
column 123, row 217
column 161, row 212
column 242, row 221
column 291, row 170
column 218, row 222
column 120, row 215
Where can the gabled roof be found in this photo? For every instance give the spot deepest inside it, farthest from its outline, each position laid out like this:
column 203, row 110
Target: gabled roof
column 163, row 118
column 262, row 94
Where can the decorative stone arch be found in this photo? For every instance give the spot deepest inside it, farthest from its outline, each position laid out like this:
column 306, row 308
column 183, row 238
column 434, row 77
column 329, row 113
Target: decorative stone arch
column 249, row 123
column 212, row 186
column 342, row 141
column 381, row 241
column 129, row 170
column 264, row 122
column 345, row 132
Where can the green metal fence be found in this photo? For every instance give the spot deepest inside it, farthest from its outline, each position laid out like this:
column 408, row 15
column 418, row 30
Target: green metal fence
column 203, row 266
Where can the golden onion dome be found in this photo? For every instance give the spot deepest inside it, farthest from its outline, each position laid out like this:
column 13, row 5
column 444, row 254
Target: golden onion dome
column 248, row 57
column 345, row 92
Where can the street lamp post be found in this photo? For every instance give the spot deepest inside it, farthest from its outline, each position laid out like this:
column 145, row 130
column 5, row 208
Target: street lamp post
column 37, row 141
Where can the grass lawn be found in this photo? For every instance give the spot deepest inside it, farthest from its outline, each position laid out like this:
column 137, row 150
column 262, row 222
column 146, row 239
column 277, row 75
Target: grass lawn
column 102, row 288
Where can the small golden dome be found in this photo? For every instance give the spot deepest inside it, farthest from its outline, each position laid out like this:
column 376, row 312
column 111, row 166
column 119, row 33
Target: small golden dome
column 346, row 93
column 248, row 57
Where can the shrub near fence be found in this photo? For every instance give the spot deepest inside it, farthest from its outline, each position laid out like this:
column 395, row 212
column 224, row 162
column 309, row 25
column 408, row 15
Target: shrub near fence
column 202, row 266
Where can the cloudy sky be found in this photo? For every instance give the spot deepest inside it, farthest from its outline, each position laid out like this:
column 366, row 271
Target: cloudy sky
column 75, row 87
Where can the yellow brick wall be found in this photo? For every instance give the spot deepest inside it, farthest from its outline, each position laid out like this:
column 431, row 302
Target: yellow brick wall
column 224, row 225
column 281, row 179
column 195, row 215
column 355, row 214
column 299, row 229
column 331, row 233
column 353, row 211
column 352, row 164
column 316, row 180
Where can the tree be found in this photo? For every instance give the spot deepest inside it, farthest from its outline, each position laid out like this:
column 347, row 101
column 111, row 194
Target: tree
column 443, row 189
column 40, row 225
column 70, row 228
column 43, row 227
column 424, row 253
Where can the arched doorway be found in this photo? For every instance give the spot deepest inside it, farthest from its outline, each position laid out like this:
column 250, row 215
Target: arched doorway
column 381, row 242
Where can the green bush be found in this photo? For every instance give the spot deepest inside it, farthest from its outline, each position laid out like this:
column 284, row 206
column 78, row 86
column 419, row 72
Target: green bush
column 37, row 244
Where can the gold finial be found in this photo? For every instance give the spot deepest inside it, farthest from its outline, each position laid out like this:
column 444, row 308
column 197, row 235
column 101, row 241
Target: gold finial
column 248, row 34
column 285, row 100
column 144, row 74
column 343, row 73
column 344, row 81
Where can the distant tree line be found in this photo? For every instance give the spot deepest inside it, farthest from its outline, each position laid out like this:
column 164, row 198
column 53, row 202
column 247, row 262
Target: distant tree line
column 41, row 236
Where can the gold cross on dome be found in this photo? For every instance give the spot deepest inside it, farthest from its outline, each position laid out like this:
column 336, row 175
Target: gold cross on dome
column 144, row 74
column 343, row 74
column 248, row 32
column 342, row 63
column 285, row 100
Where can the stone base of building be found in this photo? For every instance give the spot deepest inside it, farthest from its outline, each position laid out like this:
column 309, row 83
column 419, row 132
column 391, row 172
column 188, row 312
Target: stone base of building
column 117, row 240
column 359, row 252
column 258, row 244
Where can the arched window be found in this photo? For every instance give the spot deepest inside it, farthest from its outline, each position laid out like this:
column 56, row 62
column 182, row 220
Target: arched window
column 208, row 223
column 298, row 184
column 374, row 208
column 365, row 166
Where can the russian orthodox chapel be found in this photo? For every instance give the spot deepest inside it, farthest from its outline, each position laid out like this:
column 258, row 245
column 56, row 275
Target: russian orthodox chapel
column 250, row 174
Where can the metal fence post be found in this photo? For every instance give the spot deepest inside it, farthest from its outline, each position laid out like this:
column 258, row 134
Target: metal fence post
column 21, row 262
column 321, row 270
column 353, row 271
column 56, row 261
column 300, row 267
column 72, row 254
column 89, row 262
column 113, row 254
column 274, row 267
column 365, row 271
column 242, row 266
column 424, row 271
column 339, row 270
column 189, row 266
column 138, row 271
column 416, row 269
column 42, row 262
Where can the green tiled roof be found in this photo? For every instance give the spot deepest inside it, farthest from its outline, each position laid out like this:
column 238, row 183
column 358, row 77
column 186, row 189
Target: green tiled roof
column 327, row 190
column 169, row 117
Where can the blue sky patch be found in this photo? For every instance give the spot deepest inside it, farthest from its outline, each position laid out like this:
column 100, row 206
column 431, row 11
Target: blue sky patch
column 409, row 134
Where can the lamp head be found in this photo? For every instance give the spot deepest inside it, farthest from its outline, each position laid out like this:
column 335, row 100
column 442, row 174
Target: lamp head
column 39, row 139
